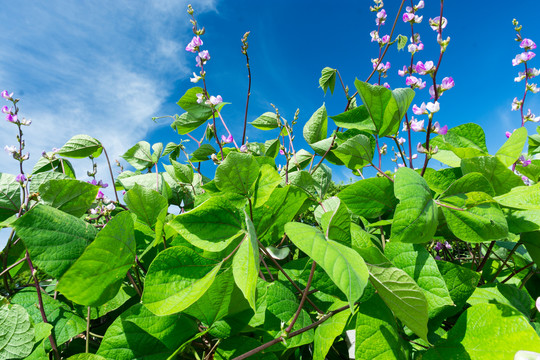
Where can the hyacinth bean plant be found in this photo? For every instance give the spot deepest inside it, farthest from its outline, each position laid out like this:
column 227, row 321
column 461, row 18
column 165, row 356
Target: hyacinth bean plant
column 269, row 258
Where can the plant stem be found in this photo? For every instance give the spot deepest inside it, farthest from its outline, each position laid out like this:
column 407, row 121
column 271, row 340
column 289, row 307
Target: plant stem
column 41, row 307
column 517, row 272
column 87, row 329
column 132, row 281
column 303, row 300
column 486, row 257
column 12, row 266
column 247, row 98
column 111, row 172
column 506, row 260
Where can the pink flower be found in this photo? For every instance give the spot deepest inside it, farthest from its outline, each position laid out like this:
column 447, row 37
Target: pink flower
column 381, row 17
column 411, row 80
column 194, row 44
column 195, row 78
column 419, row 110
column 227, row 140
column 10, row 149
column 386, row 85
column 433, row 107
column 200, row 98
column 281, row 152
column 526, row 180
column 437, row 129
column 385, row 39
column 527, row 44
column 443, row 130
column 524, row 162
column 516, row 104
column 424, row 68
column 401, row 141
column 11, row 118
column 408, row 17
column 435, row 22
column 447, row 83
column 420, row 5
column 243, row 148
column 6, row 110
column 416, row 125
column 7, row 95
column 523, row 57
column 374, row 36
column 203, row 57
column 508, row 134
column 214, row 100
column 20, row 178
column 403, row 72
column 100, row 195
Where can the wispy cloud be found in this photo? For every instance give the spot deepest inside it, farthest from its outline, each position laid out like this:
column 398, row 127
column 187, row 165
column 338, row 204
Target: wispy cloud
column 100, row 68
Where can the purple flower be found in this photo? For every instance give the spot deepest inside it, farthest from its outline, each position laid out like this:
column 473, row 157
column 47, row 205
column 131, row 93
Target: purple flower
column 227, row 140
column 401, row 141
column 526, row 180
column 20, row 178
column 416, row 125
column 524, row 162
column 381, row 17
column 281, row 152
column 438, row 246
column 437, row 129
column 100, row 195
column 6, row 110
column 194, row 44
column 437, row 257
column 214, row 100
column 11, row 118
column 7, row 95
column 403, row 72
column 420, row 5
column 419, row 110
column 527, row 44
column 385, row 39
column 10, row 149
column 203, row 57
column 424, row 68
column 243, row 148
column 374, row 36
column 508, row 134
column 408, row 16
column 447, row 245
column 523, row 57
column 516, row 104
column 447, row 83
column 386, row 85
column 434, row 23
column 411, row 80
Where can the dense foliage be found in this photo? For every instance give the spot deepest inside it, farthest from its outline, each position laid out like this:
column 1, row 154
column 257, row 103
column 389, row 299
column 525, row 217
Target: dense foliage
column 279, row 262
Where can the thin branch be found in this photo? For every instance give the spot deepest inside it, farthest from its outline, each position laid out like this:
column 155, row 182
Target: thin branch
column 303, row 300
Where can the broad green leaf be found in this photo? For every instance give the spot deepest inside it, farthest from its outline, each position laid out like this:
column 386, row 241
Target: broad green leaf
column 402, row 41
column 86, row 356
column 403, row 296
column 322, row 177
column 139, row 156
column 97, row 275
column 283, row 304
column 151, row 181
column 66, row 324
column 355, row 152
column 369, row 198
column 467, row 140
column 328, row 331
column 182, row 173
column 81, row 146
column 440, row 180
column 487, row 331
column 41, row 178
column 522, row 221
column 54, row 239
column 503, row 294
column 512, row 148
column 316, row 128
column 267, row 181
column 211, row 226
column 534, row 144
column 10, row 196
column 532, row 171
column 531, row 240
column 267, row 121
column 71, row 196
column 139, row 334
column 298, row 162
column 502, row 178
column 416, row 261
column 245, row 264
column 16, row 332
column 376, row 99
column 403, row 98
column 271, row 148
column 328, row 79
column 321, row 148
column 329, row 205
column 177, row 278
column 186, row 123
column 357, row 118
column 237, row 173
column 415, row 219
column 305, row 182
column 471, row 182
column 270, row 218
column 337, row 224
column 202, row 153
column 377, row 335
column 189, row 103
column 342, row 264
column 221, row 299
column 521, row 197
column 146, row 203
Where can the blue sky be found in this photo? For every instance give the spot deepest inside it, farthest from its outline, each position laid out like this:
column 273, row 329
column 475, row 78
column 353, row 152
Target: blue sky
column 105, row 68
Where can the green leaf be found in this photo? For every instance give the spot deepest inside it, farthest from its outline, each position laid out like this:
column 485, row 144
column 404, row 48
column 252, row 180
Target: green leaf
column 531, row 240
column 81, row 146
column 139, row 334
column 357, row 118
column 146, row 203
column 86, row 356
column 268, row 180
column 512, row 148
column 267, row 121
column 177, row 278
column 305, row 182
column 283, row 304
column 139, row 156
column 440, row 180
column 521, row 197
column 189, row 103
column 186, row 123
column 322, row 177
column 211, row 226
column 202, row 153
column 316, row 128
column 403, row 296
column 502, row 331
column 467, row 140
column 337, row 224
column 328, row 331
column 342, row 264
column 503, row 294
column 151, row 181
column 271, row 148
column 237, row 173
column 369, row 198
column 16, row 332
column 328, row 79
column 71, row 196
column 298, row 162
column 270, row 218
column 245, row 264
column 415, row 219
column 377, row 335
column 66, row 324
column 502, row 178
column 402, row 41
column 182, row 173
column 355, row 152
column 10, row 196
column 97, row 275
column 416, row 261
column 54, row 239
